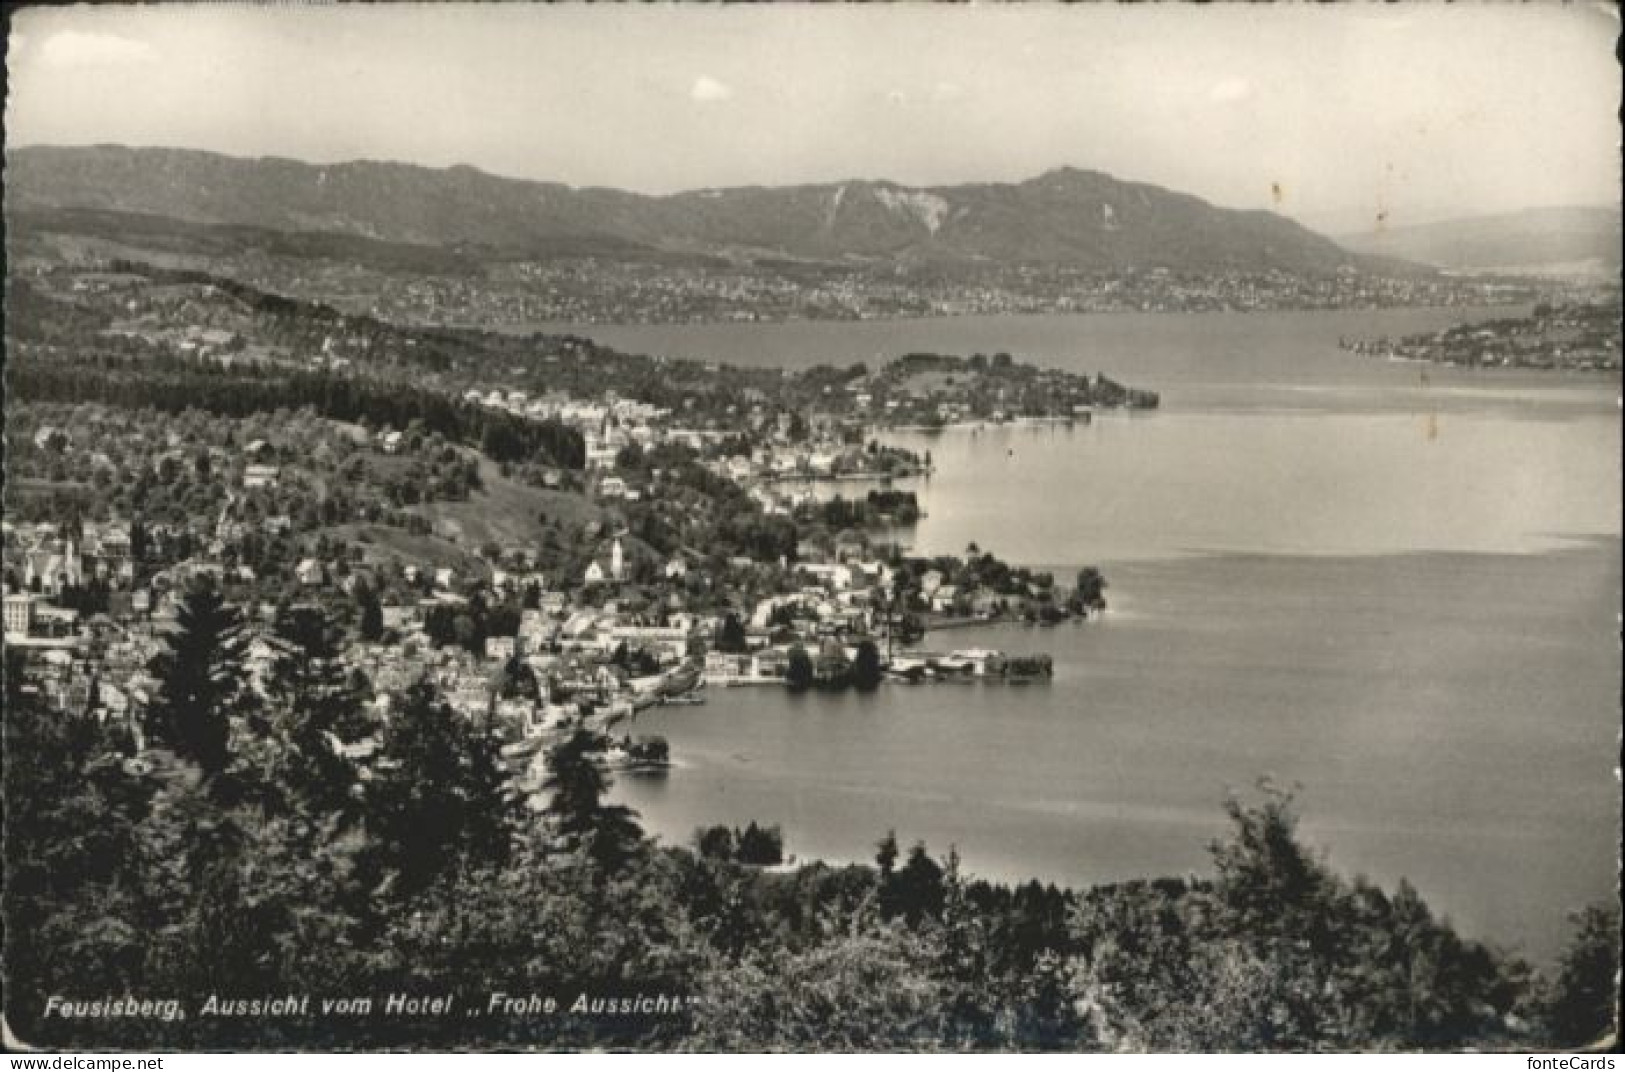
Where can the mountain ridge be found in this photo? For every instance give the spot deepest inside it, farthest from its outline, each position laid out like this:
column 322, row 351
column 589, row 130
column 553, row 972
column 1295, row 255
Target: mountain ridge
column 1066, row 215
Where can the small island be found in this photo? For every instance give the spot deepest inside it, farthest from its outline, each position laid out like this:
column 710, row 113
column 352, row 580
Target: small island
column 935, row 390
column 639, row 755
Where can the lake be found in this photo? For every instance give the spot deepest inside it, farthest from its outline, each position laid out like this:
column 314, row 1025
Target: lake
column 1198, row 360
column 1396, row 586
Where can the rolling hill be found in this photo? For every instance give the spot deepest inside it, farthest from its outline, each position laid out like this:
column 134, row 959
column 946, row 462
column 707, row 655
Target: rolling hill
column 1066, row 216
column 1535, row 240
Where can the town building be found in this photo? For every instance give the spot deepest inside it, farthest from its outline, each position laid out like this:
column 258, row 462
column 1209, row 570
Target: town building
column 19, row 614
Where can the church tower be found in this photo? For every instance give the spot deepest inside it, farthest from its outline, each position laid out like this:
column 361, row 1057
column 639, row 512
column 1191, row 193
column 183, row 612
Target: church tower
column 73, row 570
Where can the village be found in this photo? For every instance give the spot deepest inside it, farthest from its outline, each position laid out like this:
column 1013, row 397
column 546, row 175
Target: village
column 691, row 548
column 524, row 293
column 1577, row 336
column 575, row 653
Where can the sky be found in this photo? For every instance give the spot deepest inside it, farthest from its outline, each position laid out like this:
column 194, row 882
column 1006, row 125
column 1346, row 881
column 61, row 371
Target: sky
column 1330, row 114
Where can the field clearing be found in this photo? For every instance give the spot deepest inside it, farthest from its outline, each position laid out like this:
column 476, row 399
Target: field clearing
column 506, row 512
column 382, row 544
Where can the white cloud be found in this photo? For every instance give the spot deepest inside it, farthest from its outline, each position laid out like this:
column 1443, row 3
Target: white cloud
column 70, row 48
column 708, row 90
column 1230, row 89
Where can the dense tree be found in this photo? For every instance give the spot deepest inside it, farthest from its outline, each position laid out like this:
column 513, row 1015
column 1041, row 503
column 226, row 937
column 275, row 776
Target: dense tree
column 1091, row 589
column 861, row 989
column 886, row 854
column 71, row 891
column 438, row 798
column 714, row 842
column 653, row 751
column 517, row 680
column 964, row 967
column 173, row 384
column 761, row 846
column 878, row 507
column 371, row 625
column 578, row 816
column 866, row 673
column 1582, row 1007
column 1279, row 953
column 1263, row 870
column 798, row 672
column 915, row 891
column 201, row 686
column 314, row 708
column 731, row 634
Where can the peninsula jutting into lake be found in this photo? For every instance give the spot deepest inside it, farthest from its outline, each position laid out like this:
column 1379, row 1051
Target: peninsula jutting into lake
column 1582, row 337
column 901, row 584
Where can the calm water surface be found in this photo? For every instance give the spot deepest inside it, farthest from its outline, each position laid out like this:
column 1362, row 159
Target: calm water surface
column 1399, row 590
column 1224, row 360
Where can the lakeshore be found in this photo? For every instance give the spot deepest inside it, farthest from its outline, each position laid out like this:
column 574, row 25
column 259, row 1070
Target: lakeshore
column 1263, row 619
column 1398, row 692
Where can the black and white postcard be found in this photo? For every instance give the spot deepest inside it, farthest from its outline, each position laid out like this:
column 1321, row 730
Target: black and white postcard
column 812, row 527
